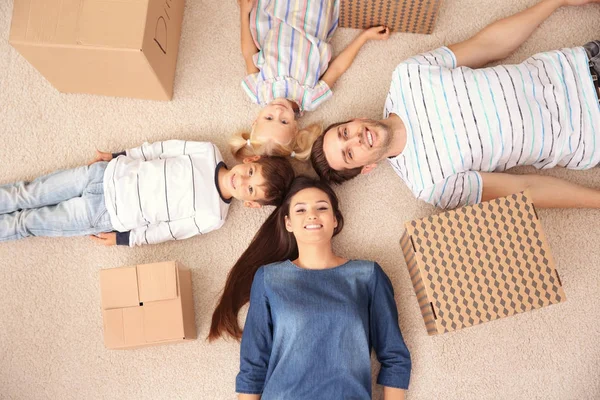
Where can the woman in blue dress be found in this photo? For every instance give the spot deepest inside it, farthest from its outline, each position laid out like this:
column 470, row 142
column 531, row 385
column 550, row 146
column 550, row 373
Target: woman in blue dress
column 314, row 316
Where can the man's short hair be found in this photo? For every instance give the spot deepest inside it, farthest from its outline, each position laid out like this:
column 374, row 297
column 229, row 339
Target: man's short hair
column 320, row 164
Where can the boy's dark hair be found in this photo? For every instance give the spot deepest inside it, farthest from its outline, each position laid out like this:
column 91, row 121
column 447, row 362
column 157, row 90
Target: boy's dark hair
column 320, row 164
column 278, row 174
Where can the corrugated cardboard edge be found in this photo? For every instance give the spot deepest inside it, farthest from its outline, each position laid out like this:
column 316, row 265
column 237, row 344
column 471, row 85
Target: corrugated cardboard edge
column 187, row 303
column 545, row 246
column 421, row 290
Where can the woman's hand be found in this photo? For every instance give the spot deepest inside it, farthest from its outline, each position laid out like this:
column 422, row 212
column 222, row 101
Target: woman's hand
column 378, row 33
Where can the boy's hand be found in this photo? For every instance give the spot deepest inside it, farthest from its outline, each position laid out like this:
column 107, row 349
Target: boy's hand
column 377, row 33
column 245, row 6
column 101, row 156
column 105, row 239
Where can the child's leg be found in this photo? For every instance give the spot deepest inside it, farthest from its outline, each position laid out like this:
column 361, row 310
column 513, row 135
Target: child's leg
column 50, row 189
column 83, row 215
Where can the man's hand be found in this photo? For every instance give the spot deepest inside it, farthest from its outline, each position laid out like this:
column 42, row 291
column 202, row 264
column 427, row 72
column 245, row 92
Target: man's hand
column 105, row 239
column 579, row 2
column 377, row 33
column 246, row 7
column 101, row 156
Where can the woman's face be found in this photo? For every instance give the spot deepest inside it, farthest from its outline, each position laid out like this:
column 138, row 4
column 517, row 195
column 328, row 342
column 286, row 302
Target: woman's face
column 311, row 218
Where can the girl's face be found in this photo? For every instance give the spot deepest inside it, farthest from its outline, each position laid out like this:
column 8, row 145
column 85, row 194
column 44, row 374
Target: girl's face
column 311, row 218
column 276, row 121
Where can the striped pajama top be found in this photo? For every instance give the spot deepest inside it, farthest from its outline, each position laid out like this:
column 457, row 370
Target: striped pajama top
column 543, row 112
column 165, row 191
column 294, row 51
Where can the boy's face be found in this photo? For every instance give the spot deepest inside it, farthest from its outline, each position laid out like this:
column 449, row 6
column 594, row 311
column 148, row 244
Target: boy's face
column 246, row 182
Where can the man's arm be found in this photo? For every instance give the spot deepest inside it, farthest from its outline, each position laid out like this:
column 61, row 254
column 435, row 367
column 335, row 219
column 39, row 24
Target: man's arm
column 345, row 59
column 248, row 47
column 499, row 39
column 545, row 191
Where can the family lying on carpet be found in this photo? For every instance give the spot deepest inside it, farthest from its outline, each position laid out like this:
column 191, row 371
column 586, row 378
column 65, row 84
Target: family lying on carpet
column 449, row 128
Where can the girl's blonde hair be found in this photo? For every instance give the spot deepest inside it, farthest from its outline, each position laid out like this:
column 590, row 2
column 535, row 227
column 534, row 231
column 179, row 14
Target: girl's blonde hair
column 242, row 144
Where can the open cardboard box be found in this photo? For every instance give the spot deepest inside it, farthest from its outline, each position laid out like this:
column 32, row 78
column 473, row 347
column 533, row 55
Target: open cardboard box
column 480, row 263
column 122, row 48
column 147, row 304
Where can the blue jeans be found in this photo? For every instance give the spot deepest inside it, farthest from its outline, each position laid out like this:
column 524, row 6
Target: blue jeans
column 64, row 203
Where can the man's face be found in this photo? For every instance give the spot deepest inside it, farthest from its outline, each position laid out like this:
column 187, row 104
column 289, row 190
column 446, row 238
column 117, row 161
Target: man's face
column 356, row 143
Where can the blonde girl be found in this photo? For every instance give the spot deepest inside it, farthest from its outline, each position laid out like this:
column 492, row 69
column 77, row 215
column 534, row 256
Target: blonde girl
column 286, row 49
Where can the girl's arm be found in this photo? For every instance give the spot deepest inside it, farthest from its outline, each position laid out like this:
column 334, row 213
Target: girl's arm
column 390, row 393
column 345, row 59
column 248, row 47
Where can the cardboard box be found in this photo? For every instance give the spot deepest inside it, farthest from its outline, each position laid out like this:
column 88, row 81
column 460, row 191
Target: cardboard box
column 122, row 48
column 480, row 263
column 146, row 305
column 415, row 16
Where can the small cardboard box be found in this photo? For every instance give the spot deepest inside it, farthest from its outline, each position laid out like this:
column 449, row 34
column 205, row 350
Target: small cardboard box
column 146, row 305
column 480, row 263
column 415, row 16
column 124, row 48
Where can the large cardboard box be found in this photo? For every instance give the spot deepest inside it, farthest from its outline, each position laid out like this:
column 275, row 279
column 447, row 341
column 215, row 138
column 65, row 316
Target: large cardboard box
column 415, row 16
column 147, row 304
column 116, row 48
column 480, row 263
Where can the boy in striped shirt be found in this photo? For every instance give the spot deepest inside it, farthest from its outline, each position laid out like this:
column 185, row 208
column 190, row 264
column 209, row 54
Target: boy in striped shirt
column 153, row 193
column 450, row 127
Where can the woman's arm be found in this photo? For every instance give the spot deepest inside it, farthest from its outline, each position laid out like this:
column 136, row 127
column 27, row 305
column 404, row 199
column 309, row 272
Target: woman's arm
column 257, row 341
column 248, row 47
column 390, row 393
column 244, row 396
column 345, row 59
column 392, row 353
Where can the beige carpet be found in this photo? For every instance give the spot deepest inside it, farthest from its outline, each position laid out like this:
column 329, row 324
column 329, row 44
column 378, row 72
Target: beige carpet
column 51, row 344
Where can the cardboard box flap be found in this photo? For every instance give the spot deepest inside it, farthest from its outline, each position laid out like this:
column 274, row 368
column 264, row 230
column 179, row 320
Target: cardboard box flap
column 119, row 288
column 117, row 24
column 163, row 320
column 157, row 281
column 45, row 21
column 124, row 327
column 114, row 336
column 101, row 23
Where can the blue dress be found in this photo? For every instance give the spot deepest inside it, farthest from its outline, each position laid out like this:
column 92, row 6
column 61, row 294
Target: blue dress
column 309, row 333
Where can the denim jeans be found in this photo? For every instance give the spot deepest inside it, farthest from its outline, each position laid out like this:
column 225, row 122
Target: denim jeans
column 64, row 203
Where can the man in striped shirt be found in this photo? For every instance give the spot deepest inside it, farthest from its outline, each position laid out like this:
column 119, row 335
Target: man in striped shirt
column 451, row 127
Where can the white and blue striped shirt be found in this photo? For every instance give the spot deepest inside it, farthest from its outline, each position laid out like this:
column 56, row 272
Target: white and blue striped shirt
column 543, row 112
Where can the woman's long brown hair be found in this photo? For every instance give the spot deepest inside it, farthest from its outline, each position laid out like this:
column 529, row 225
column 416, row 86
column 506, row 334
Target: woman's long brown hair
column 272, row 243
